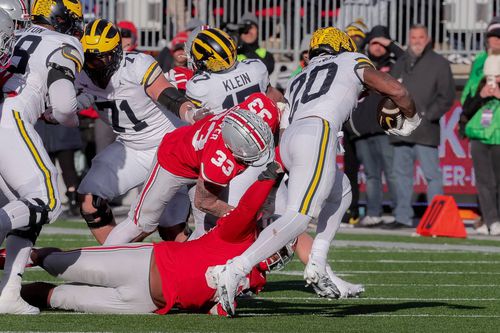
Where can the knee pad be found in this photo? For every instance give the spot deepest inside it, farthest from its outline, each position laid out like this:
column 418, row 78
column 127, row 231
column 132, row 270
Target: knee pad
column 39, row 212
column 103, row 212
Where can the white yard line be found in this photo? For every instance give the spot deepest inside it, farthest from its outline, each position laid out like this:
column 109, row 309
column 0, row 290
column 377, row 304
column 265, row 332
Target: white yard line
column 391, row 261
column 399, row 285
column 343, row 273
column 411, row 299
column 422, row 315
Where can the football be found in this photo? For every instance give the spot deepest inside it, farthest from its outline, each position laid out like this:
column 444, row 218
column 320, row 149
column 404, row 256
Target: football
column 388, row 115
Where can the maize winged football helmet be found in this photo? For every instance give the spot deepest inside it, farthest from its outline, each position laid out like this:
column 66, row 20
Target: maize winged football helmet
column 64, row 15
column 18, row 12
column 7, row 38
column 247, row 136
column 103, row 51
column 213, row 50
column 330, row 41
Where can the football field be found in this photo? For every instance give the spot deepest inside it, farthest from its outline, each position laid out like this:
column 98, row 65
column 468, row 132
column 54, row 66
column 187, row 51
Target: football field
column 413, row 284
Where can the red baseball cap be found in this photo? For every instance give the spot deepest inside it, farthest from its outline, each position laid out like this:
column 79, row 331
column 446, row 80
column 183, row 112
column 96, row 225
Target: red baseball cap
column 179, row 41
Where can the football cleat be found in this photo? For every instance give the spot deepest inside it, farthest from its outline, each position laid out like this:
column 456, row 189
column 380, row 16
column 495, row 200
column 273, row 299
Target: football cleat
column 318, row 278
column 346, row 289
column 10, row 304
column 227, row 281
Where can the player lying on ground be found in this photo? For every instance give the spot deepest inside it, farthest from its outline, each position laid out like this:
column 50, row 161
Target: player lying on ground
column 141, row 278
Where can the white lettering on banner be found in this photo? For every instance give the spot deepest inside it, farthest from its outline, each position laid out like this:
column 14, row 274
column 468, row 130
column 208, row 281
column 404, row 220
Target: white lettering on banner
column 449, row 134
column 419, row 178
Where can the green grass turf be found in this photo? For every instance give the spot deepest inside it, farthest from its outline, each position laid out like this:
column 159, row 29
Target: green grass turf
column 406, row 291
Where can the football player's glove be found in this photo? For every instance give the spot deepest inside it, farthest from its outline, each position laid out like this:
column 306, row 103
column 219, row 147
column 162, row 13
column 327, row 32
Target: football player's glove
column 409, row 125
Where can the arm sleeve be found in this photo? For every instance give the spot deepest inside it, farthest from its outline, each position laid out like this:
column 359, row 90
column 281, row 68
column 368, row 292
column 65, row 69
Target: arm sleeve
column 445, row 94
column 61, row 87
column 63, row 101
column 473, row 103
column 239, row 223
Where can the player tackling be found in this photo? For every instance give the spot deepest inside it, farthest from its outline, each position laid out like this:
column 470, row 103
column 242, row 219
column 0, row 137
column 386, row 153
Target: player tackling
column 142, row 278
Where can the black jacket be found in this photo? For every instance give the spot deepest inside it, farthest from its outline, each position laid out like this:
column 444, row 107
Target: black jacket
column 429, row 80
column 249, row 51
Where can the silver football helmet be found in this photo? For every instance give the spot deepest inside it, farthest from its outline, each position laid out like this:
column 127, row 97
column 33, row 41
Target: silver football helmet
column 18, row 12
column 7, row 38
column 247, row 136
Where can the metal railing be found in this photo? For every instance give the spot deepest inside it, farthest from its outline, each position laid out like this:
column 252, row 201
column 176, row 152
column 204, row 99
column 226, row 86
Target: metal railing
column 456, row 26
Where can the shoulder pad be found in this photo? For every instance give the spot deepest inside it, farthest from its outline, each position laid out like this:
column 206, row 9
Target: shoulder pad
column 71, row 53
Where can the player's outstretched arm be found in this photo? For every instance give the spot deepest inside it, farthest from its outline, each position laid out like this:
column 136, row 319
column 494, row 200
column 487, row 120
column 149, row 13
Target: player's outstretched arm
column 164, row 93
column 389, row 86
column 206, row 198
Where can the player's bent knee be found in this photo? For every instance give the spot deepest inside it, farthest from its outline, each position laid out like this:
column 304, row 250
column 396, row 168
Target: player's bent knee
column 55, row 212
column 97, row 212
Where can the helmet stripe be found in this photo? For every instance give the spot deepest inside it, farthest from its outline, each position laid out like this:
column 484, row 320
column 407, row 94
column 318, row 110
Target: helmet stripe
column 254, row 134
column 93, row 27
column 207, row 48
column 105, row 30
column 222, row 41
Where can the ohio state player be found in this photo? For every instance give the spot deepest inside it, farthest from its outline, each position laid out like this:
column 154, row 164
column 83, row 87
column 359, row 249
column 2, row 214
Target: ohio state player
column 156, row 277
column 209, row 154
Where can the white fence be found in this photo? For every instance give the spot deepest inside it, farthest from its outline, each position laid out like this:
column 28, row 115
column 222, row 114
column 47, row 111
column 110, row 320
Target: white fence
column 457, row 26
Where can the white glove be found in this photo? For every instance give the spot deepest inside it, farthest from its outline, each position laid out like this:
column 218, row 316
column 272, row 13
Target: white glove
column 281, row 106
column 84, row 101
column 409, row 125
column 194, row 114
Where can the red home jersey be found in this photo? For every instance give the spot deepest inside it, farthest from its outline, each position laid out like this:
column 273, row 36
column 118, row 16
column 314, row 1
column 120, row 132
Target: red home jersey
column 183, row 266
column 199, row 150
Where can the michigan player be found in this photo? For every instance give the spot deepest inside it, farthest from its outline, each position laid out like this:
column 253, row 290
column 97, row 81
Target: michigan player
column 319, row 100
column 131, row 94
column 222, row 82
column 45, row 60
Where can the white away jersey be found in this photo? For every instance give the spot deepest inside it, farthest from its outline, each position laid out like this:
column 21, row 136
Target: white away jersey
column 35, row 50
column 138, row 121
column 328, row 88
column 221, row 91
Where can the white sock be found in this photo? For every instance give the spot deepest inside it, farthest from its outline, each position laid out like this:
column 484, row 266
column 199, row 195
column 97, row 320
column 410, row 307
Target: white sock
column 123, row 233
column 18, row 252
column 273, row 238
column 319, row 251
